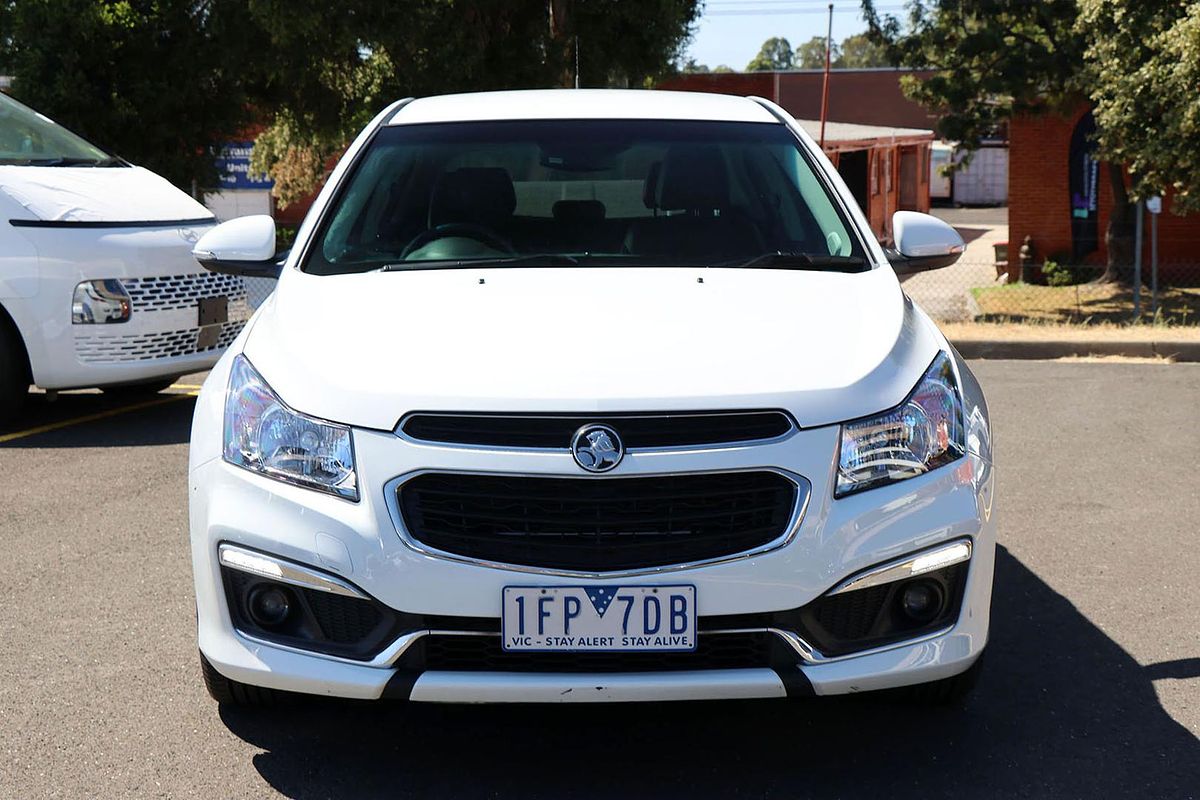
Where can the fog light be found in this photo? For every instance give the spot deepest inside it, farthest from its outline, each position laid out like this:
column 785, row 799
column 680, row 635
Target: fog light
column 269, row 606
column 100, row 302
column 921, row 601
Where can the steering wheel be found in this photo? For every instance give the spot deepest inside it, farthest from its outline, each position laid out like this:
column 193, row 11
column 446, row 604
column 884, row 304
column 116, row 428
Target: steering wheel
column 468, row 230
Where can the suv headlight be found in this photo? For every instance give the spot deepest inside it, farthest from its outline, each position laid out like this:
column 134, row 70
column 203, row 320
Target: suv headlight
column 263, row 435
column 100, row 302
column 922, row 433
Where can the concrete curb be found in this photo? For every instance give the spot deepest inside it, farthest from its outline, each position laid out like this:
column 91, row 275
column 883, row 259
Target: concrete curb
column 1048, row 349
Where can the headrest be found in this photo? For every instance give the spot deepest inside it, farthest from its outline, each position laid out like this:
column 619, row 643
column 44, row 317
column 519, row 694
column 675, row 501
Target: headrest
column 476, row 195
column 578, row 211
column 693, row 178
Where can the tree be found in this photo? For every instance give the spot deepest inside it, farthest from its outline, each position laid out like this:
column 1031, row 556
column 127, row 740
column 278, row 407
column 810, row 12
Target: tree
column 811, row 54
column 993, row 59
column 858, row 52
column 158, row 83
column 1143, row 66
column 776, row 53
column 333, row 71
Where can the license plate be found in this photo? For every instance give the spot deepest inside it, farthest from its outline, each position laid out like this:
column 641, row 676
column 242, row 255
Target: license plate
column 214, row 310
column 595, row 618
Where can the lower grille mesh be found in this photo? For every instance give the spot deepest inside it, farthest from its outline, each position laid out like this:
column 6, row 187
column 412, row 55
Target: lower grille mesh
column 484, row 653
column 597, row 524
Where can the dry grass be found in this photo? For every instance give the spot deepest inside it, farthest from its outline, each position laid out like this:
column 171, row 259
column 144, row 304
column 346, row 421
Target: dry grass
column 1085, row 303
column 1065, row 331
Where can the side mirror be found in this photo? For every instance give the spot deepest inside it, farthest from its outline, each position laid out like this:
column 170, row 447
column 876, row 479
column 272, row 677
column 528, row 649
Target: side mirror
column 923, row 242
column 243, row 246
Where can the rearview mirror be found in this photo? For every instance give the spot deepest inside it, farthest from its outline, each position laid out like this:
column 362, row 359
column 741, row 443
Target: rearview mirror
column 243, row 246
column 923, row 242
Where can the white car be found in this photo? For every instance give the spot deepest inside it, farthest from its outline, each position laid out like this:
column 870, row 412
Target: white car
column 98, row 286
column 580, row 396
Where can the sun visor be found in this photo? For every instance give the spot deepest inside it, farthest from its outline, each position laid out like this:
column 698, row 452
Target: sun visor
column 97, row 194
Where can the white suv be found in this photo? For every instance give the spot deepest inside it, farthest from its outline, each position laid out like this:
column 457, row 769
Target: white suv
column 571, row 396
column 97, row 283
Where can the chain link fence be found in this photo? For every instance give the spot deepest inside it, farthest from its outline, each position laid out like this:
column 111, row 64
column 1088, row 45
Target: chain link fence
column 989, row 284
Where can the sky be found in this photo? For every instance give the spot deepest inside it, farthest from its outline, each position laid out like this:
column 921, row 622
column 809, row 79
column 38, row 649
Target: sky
column 731, row 31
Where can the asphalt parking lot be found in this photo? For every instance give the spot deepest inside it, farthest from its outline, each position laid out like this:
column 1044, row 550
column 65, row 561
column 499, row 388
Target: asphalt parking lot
column 1092, row 687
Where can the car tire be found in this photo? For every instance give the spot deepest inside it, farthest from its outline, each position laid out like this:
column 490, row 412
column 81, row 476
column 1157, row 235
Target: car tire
column 234, row 693
column 136, row 389
column 952, row 691
column 14, row 376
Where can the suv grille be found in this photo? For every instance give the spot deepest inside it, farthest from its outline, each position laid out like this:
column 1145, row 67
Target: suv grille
column 636, row 430
column 597, row 524
column 166, row 292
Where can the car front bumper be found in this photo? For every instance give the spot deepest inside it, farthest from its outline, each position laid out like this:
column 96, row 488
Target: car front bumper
column 363, row 545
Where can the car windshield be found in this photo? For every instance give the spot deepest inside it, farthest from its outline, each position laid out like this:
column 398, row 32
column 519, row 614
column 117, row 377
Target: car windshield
column 29, row 139
column 587, row 192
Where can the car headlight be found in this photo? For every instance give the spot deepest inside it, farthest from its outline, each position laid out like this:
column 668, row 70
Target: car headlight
column 100, row 302
column 265, row 436
column 922, row 433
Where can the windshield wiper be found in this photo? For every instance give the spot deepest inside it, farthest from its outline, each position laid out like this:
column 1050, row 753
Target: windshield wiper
column 535, row 260
column 64, row 161
column 780, row 260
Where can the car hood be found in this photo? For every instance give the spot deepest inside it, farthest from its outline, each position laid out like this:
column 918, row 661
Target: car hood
column 367, row 349
column 96, row 195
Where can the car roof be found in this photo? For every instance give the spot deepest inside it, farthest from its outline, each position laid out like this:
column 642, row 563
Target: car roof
column 581, row 104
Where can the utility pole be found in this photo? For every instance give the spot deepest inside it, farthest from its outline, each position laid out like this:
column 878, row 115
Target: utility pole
column 825, row 85
column 576, row 61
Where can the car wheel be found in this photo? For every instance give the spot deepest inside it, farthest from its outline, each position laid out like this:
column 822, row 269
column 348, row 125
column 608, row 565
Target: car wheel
column 14, row 377
column 233, row 693
column 134, row 389
column 950, row 691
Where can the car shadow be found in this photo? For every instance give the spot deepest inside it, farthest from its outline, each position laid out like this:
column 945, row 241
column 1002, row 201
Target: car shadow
column 1061, row 711
column 93, row 419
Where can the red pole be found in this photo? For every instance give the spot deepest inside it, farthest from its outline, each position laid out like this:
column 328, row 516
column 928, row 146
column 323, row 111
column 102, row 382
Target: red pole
column 825, row 86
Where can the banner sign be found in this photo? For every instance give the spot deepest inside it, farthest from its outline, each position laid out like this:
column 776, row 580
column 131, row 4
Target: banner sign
column 233, row 167
column 1084, row 177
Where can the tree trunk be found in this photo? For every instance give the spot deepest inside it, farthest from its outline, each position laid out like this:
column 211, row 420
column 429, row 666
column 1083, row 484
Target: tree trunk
column 560, row 27
column 1120, row 234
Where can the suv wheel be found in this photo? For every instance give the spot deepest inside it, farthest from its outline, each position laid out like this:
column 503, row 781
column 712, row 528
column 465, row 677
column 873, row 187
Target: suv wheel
column 14, row 376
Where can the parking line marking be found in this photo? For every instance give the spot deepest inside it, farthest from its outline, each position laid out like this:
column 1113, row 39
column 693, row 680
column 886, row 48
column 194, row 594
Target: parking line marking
column 112, row 412
column 185, row 386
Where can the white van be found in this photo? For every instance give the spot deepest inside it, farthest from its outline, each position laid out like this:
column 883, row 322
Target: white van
column 98, row 287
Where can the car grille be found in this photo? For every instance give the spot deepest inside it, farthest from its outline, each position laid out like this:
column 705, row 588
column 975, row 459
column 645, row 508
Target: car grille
column 483, row 653
column 95, row 347
column 635, row 430
column 597, row 524
column 167, row 292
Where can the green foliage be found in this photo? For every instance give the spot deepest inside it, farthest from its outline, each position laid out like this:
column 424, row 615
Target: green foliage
column 859, row 52
column 158, row 83
column 776, row 53
column 1143, row 67
column 811, row 54
column 332, row 72
column 162, row 81
column 1059, row 274
column 991, row 58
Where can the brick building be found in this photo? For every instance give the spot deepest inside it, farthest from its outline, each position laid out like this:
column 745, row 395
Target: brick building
column 1041, row 203
column 861, row 96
